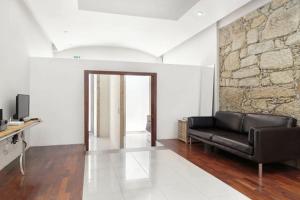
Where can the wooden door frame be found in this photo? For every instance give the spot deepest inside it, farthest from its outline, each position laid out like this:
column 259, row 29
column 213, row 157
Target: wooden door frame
column 153, row 77
column 122, row 110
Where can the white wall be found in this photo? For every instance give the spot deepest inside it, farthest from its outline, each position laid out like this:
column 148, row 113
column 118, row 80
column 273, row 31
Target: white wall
column 199, row 50
column 21, row 37
column 114, row 111
column 137, row 102
column 57, row 96
column 206, row 93
column 108, row 53
column 202, row 50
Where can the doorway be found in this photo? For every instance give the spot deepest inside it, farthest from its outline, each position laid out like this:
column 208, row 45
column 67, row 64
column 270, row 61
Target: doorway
column 133, row 130
column 137, row 107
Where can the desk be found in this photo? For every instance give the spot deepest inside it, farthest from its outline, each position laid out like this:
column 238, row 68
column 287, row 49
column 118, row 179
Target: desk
column 19, row 130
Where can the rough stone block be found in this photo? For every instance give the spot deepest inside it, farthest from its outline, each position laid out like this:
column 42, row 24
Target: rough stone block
column 260, row 104
column 225, row 37
column 271, row 92
column 252, row 36
column 293, row 39
column 239, row 40
column 297, row 61
column 231, row 82
column 251, row 15
column 282, row 22
column 276, row 59
column 226, row 74
column 243, row 53
column 277, row 3
column 231, row 98
column 266, row 81
column 249, row 82
column 258, row 21
column 232, row 61
column 250, row 60
column 282, row 77
column 279, row 44
column 246, row 72
column 260, row 47
column 292, row 109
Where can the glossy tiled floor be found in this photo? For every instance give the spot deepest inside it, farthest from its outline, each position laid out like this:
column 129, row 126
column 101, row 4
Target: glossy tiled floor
column 132, row 140
column 136, row 140
column 149, row 174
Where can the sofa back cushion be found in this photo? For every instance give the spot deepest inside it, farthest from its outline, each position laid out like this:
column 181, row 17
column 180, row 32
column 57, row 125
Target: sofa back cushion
column 231, row 121
column 264, row 120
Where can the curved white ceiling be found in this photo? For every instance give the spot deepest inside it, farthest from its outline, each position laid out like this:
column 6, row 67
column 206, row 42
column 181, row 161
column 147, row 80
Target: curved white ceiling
column 68, row 26
column 164, row 9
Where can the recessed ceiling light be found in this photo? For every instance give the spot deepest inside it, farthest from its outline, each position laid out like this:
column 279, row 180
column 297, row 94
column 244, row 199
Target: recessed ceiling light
column 200, row 13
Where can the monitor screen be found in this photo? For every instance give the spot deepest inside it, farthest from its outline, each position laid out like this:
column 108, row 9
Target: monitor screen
column 22, row 106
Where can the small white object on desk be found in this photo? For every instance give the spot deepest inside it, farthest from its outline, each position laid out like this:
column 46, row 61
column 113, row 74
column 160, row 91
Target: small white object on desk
column 15, row 123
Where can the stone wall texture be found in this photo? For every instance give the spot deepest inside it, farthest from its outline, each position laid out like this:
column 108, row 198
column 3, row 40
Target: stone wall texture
column 260, row 61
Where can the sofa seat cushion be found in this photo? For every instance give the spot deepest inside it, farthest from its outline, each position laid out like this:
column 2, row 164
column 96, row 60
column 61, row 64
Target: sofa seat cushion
column 201, row 133
column 207, row 133
column 235, row 141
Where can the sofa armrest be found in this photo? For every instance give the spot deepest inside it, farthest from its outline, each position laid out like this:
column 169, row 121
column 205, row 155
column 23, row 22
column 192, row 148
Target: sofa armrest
column 200, row 122
column 276, row 144
column 252, row 131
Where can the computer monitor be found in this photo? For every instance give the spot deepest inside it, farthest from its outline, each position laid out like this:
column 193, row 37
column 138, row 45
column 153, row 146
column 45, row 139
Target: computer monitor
column 22, row 107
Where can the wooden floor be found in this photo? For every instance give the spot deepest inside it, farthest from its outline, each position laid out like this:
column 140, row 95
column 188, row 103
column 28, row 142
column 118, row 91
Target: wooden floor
column 51, row 173
column 57, row 173
column 279, row 181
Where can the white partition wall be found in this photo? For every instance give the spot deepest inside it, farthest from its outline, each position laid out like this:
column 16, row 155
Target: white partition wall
column 56, row 88
column 207, row 91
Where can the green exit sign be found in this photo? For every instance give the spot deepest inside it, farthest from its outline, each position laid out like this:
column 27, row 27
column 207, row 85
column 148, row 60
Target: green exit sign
column 76, row 57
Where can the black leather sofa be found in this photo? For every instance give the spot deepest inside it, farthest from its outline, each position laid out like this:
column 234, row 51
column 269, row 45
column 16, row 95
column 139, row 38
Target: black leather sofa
column 258, row 137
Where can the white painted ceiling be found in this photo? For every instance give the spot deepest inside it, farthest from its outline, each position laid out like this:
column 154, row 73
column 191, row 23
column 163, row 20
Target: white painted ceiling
column 67, row 26
column 164, row 9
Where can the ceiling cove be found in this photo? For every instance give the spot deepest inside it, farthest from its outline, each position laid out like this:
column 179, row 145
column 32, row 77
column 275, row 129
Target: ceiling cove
column 152, row 26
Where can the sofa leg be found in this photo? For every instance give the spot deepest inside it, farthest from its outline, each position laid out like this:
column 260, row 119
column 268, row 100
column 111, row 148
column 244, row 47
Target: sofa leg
column 260, row 170
column 190, row 141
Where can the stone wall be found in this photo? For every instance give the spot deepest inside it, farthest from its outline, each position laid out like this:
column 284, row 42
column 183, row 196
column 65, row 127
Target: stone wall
column 260, row 61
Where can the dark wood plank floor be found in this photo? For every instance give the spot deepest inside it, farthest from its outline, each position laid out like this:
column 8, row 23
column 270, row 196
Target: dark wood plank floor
column 57, row 173
column 54, row 172
column 279, row 181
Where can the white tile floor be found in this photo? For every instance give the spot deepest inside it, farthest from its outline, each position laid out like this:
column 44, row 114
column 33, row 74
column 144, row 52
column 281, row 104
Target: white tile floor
column 153, row 174
column 100, row 144
column 132, row 140
column 136, row 140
